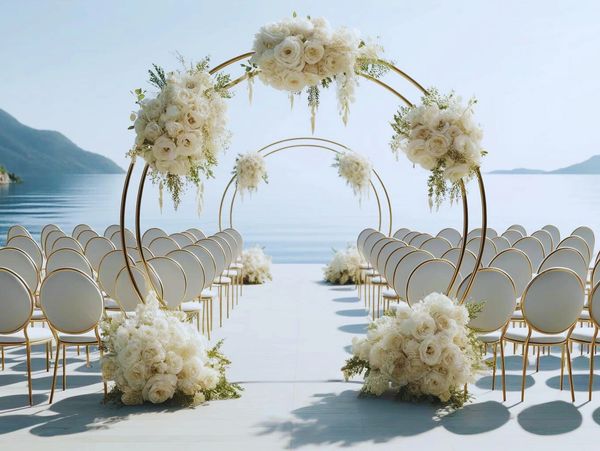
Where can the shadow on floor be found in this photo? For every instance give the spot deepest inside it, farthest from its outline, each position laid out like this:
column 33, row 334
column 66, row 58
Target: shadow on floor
column 344, row 420
column 354, row 328
column 551, row 418
column 352, row 313
column 74, row 415
column 580, row 382
column 513, row 382
column 348, row 349
column 352, row 299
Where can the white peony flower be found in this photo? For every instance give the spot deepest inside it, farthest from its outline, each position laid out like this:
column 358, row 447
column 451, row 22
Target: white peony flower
column 290, row 53
column 160, row 388
column 430, row 350
column 164, row 149
column 456, row 172
column 437, row 145
column 313, row 52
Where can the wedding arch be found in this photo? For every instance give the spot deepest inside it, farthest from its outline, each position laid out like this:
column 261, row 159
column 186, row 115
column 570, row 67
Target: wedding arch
column 351, row 59
column 317, row 144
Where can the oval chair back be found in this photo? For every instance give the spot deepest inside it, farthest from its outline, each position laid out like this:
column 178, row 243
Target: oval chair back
column 21, row 264
column 129, row 239
column 182, row 239
column 437, row 246
column 162, row 245
column 30, row 247
column 193, row 271
column 566, row 257
column 207, row 261
column 404, row 269
column 65, row 242
column 78, row 229
column 50, row 239
column 501, row 243
column 96, row 249
column 401, row 233
column 576, row 242
column 68, row 258
column 546, row 239
column 534, row 250
column 362, row 237
column 387, row 250
column 588, row 236
column 419, row 239
column 108, row 270
column 173, row 280
column 197, row 233
column 125, row 295
column 217, row 253
column 516, row 264
column 44, row 233
column 150, row 234
column 452, row 235
column 512, row 236
column 555, row 232
column 110, row 230
column 489, row 249
column 16, row 301
column 376, row 250
column 85, row 236
column 468, row 262
column 226, row 248
column 17, row 230
column 431, row 276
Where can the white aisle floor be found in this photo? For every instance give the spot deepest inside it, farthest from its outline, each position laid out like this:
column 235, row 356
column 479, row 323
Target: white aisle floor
column 288, row 340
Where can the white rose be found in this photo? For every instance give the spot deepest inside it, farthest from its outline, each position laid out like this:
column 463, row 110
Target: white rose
column 160, row 388
column 152, row 131
column 171, row 113
column 109, row 367
column 152, row 108
column 139, row 125
column 180, row 166
column 294, row 81
column 421, row 325
column 270, row 35
column 434, row 383
column 193, row 120
column 174, row 362
column 187, row 143
column 301, row 26
column 164, row 149
column 457, row 171
column 153, row 352
column 437, row 145
column 430, row 351
column 335, row 63
column 289, row 53
column 130, row 354
column 313, row 52
column 173, row 128
column 430, row 115
column 135, row 376
column 420, row 132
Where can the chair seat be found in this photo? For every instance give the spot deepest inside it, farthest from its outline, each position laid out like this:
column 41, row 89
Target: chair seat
column 37, row 315
column 388, row 293
column 222, row 280
column 191, row 307
column 365, row 266
column 230, row 273
column 86, row 338
column 519, row 334
column 489, row 337
column 517, row 315
column 111, row 304
column 35, row 334
column 207, row 294
column 585, row 315
column 115, row 313
column 369, row 272
column 584, row 334
column 378, row 280
column 236, row 266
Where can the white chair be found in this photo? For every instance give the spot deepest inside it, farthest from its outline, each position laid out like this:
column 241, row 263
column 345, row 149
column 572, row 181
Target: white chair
column 431, row 276
column 555, row 232
column 589, row 335
column 17, row 304
column 595, row 279
column 17, row 230
column 518, row 227
column 173, row 281
column 68, row 258
column 125, row 293
column 162, row 245
column 182, row 239
column 135, row 254
column 221, row 282
column 409, row 236
column 588, row 236
column 72, row 304
column 576, row 242
column 389, row 267
column 494, row 290
column 452, row 235
column 85, row 236
column 108, row 270
column 376, row 250
column 418, row 240
column 405, row 268
column 546, row 239
column 151, row 234
column 21, row 264
column 551, row 305
column 198, row 234
column 362, row 237
column 194, row 273
column 30, row 247
column 533, row 248
column 512, row 236
column 96, row 249
column 489, row 233
column 50, row 239
column 501, row 243
column 78, row 229
column 110, row 230
column 129, row 239
column 387, row 250
column 489, row 249
column 437, row 246
column 65, row 242
column 44, row 233
column 517, row 265
column 401, row 233
column 566, row 257
column 468, row 263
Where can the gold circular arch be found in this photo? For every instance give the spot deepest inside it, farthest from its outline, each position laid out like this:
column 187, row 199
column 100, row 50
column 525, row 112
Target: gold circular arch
column 323, row 144
column 378, row 82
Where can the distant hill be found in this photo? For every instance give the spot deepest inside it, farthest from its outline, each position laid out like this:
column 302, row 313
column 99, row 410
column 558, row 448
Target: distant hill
column 589, row 166
column 27, row 151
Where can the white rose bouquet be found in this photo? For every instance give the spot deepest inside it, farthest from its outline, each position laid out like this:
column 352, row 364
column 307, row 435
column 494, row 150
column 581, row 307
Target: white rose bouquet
column 297, row 53
column 426, row 351
column 356, row 170
column 181, row 130
column 256, row 266
column 250, row 169
column 157, row 356
column 344, row 267
column 441, row 136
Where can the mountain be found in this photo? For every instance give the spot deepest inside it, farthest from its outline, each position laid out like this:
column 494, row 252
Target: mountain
column 27, row 151
column 589, row 166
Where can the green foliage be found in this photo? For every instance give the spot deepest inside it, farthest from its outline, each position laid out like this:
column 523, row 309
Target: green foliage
column 157, row 76
column 355, row 366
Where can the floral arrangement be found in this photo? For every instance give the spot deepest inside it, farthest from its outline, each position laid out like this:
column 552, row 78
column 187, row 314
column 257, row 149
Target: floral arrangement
column 298, row 53
column 181, row 130
column 441, row 136
column 344, row 267
column 250, row 169
column 256, row 266
column 426, row 351
column 356, row 170
column 157, row 356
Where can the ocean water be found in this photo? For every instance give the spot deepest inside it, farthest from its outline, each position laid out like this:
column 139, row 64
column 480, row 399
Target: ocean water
column 302, row 218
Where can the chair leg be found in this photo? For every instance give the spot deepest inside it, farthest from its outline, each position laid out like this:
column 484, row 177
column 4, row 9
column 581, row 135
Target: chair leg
column 220, row 306
column 591, row 372
column 494, row 367
column 104, row 383
column 503, row 371
column 525, row 353
column 570, row 374
column 55, row 372
column 87, row 356
column 562, row 366
column 28, row 351
column 64, row 367
column 47, row 356
column 537, row 360
column 2, row 348
column 227, row 299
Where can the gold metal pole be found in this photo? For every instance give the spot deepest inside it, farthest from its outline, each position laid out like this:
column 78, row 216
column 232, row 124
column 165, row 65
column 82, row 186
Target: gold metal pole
column 483, row 234
column 122, row 229
column 463, row 247
column 230, row 61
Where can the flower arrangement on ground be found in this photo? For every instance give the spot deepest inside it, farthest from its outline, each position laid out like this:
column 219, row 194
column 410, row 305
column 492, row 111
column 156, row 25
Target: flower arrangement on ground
column 256, row 266
column 356, row 170
column 426, row 351
column 157, row 356
column 298, row 53
column 441, row 136
column 181, row 130
column 344, row 267
column 250, row 169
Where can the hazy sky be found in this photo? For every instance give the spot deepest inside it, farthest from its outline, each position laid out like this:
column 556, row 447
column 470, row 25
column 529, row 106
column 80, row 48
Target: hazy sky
column 69, row 66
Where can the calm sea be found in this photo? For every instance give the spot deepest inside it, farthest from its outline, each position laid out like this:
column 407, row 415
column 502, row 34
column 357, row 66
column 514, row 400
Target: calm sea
column 301, row 219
